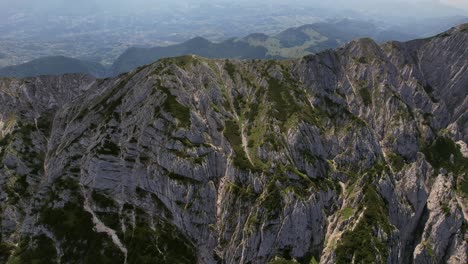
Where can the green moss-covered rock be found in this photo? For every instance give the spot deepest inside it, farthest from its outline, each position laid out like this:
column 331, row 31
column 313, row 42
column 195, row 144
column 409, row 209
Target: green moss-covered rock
column 178, row 110
column 444, row 153
column 232, row 133
column 363, row 244
column 396, row 161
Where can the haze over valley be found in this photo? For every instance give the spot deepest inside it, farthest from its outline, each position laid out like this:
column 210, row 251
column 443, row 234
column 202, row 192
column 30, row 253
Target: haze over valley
column 100, row 31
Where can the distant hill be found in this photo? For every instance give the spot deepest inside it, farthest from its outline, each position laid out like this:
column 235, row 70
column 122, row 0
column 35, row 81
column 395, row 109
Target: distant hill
column 231, row 48
column 55, row 65
column 291, row 43
column 313, row 38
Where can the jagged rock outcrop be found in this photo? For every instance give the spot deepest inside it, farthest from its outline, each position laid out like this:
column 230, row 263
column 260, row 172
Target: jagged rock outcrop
column 345, row 156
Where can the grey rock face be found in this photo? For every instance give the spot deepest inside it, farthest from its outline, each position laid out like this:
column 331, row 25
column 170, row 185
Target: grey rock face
column 342, row 157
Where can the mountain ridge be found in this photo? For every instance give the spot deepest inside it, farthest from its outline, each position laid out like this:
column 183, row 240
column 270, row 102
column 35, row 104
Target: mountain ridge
column 347, row 155
column 290, row 43
column 54, row 65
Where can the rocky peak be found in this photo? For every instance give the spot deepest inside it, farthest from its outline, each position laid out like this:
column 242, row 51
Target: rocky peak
column 345, row 156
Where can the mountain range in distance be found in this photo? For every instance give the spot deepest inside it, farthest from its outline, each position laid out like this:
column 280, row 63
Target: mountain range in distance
column 54, row 65
column 291, row 43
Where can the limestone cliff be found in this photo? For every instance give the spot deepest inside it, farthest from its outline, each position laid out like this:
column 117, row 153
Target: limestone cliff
column 352, row 155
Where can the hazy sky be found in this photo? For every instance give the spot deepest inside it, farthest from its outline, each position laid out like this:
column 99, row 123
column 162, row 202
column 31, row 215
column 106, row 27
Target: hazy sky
column 457, row 3
column 48, row 3
column 376, row 8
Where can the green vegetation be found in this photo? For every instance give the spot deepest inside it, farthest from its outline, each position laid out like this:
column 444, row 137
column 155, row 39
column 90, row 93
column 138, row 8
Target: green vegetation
column 5, row 140
column 44, row 123
column 362, row 244
column 280, row 260
column 396, row 161
column 313, row 260
column 73, row 226
column 106, row 102
column 108, row 147
column 102, row 200
column 167, row 214
column 362, row 60
column 181, row 178
column 365, row 96
column 230, row 68
column 430, row 250
column 446, row 209
column 160, row 244
column 20, row 142
column 181, row 61
column 141, row 193
column 464, row 27
column 462, row 186
column 110, row 219
column 444, row 153
column 283, row 102
column 5, row 250
column 252, row 222
column 16, row 188
column 280, row 184
column 179, row 111
column 233, row 134
column 289, row 103
column 347, row 213
column 271, row 198
column 239, row 190
column 36, row 250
